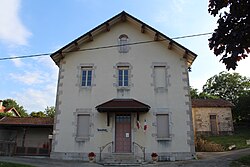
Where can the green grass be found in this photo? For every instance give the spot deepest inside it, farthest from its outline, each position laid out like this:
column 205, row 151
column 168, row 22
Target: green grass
column 245, row 160
column 7, row 164
column 238, row 138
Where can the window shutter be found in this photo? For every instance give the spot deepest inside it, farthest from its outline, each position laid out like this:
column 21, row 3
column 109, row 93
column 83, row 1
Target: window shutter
column 163, row 126
column 83, row 123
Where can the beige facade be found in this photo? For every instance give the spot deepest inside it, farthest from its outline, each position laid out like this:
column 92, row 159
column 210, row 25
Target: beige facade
column 212, row 119
column 123, row 74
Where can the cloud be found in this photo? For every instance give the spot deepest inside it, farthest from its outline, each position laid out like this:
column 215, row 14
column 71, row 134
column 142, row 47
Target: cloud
column 17, row 62
column 12, row 30
column 41, row 98
column 177, row 5
column 30, row 78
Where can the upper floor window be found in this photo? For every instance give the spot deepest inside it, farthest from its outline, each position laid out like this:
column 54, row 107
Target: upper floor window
column 123, row 76
column 160, row 76
column 86, row 76
column 123, row 43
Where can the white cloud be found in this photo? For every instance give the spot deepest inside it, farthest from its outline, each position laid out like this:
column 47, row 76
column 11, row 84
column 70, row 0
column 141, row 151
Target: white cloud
column 177, row 5
column 30, row 78
column 37, row 99
column 12, row 30
column 17, row 62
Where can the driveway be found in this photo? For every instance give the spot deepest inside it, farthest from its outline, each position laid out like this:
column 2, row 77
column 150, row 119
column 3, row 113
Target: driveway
column 206, row 159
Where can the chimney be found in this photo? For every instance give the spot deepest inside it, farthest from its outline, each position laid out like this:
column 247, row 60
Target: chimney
column 1, row 104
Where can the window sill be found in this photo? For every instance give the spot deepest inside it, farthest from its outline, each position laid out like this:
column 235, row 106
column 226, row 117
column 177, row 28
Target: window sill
column 166, row 139
column 86, row 87
column 79, row 139
column 123, row 88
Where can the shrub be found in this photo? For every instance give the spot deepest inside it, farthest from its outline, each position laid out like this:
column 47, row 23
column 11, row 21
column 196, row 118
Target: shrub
column 203, row 145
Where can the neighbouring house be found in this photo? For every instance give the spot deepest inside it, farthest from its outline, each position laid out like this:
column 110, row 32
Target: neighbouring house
column 123, row 87
column 212, row 116
column 11, row 110
column 25, row 135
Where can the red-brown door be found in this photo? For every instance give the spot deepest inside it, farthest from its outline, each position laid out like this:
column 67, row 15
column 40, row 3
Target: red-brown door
column 123, row 133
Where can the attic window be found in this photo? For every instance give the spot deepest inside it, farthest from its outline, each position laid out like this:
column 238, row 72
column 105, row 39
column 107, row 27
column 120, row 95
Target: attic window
column 123, row 43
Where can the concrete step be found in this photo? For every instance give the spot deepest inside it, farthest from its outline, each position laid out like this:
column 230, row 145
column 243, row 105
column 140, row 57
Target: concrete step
column 122, row 160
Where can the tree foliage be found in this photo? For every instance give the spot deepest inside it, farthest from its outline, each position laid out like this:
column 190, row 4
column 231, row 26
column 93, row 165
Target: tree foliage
column 227, row 86
column 9, row 103
column 5, row 115
column 231, row 39
column 48, row 112
column 195, row 94
column 37, row 114
column 242, row 108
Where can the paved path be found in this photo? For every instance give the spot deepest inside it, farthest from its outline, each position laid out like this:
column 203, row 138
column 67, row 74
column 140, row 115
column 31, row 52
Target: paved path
column 206, row 159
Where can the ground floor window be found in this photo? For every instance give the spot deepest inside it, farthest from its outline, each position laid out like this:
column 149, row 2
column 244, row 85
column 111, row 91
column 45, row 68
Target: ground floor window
column 162, row 126
column 83, row 124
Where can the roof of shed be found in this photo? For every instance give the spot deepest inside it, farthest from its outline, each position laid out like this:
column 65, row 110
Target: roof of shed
column 211, row 103
column 27, row 121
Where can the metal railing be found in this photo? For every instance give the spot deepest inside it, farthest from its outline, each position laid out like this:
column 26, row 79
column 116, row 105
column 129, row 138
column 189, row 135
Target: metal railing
column 143, row 149
column 103, row 147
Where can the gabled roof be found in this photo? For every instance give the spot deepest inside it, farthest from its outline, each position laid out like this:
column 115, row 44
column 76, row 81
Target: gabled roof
column 196, row 103
column 26, row 121
column 107, row 26
column 127, row 105
column 5, row 110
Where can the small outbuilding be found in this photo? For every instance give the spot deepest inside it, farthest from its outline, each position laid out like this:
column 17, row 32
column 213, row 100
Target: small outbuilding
column 212, row 116
column 25, row 136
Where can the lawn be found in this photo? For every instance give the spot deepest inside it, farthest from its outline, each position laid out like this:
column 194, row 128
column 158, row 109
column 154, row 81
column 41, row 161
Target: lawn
column 241, row 162
column 7, row 164
column 238, row 138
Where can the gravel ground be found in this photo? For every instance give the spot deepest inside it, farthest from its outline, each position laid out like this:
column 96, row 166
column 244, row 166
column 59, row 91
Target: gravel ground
column 206, row 159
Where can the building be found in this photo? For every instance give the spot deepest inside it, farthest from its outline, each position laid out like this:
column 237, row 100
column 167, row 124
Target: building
column 123, row 87
column 25, row 135
column 11, row 110
column 212, row 116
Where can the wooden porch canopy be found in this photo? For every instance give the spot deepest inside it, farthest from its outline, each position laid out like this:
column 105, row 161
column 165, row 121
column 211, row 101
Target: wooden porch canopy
column 123, row 105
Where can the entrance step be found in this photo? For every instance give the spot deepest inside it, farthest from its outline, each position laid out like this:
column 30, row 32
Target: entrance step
column 122, row 160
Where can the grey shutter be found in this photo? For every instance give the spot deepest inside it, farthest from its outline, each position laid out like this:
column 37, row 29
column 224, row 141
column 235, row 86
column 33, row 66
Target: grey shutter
column 83, row 125
column 163, row 126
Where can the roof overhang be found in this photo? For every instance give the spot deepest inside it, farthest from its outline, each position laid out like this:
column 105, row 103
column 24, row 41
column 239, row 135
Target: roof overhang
column 123, row 105
column 107, row 25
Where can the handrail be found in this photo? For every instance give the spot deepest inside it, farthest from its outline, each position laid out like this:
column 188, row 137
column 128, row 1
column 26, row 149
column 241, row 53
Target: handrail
column 142, row 148
column 103, row 147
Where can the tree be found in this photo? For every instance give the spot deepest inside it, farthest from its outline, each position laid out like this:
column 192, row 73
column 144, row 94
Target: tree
column 202, row 95
column 37, row 114
column 242, row 108
column 231, row 39
column 9, row 103
column 50, row 111
column 227, row 86
column 5, row 115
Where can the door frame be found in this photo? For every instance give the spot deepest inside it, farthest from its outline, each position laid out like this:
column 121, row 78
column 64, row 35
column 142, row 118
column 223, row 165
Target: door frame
column 131, row 131
column 216, row 124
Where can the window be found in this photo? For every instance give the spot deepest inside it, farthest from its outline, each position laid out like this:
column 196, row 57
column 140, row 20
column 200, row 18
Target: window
column 86, row 76
column 162, row 126
column 123, row 44
column 160, row 76
column 123, row 76
column 83, row 124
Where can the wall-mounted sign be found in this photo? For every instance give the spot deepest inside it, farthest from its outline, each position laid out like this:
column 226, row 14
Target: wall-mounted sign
column 102, row 130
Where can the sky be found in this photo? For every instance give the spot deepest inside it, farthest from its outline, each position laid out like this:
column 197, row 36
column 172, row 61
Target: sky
column 30, row 27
